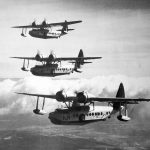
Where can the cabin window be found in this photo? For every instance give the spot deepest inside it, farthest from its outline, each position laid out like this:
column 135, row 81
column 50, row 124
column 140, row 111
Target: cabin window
column 92, row 114
column 101, row 113
column 89, row 114
column 95, row 114
column 98, row 113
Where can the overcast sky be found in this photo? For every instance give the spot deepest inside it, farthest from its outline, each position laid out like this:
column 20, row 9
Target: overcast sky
column 117, row 30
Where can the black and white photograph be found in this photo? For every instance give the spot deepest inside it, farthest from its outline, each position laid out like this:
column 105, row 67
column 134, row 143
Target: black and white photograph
column 75, row 75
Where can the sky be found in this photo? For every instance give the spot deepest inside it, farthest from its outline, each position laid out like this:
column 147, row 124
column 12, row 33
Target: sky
column 116, row 30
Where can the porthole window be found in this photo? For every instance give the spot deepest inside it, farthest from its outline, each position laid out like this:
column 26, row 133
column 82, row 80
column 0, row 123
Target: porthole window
column 89, row 114
column 92, row 114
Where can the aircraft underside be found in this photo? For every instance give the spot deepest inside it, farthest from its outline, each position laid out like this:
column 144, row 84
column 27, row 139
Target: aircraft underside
column 80, row 117
column 49, row 75
column 43, row 34
column 49, row 71
column 75, row 122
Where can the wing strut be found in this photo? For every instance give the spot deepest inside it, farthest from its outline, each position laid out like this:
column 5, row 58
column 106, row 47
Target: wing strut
column 43, row 103
column 37, row 103
column 24, row 68
column 22, row 34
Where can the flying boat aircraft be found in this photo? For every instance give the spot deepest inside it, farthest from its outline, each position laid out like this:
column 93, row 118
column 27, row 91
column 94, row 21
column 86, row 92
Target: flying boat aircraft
column 50, row 65
column 80, row 109
column 44, row 30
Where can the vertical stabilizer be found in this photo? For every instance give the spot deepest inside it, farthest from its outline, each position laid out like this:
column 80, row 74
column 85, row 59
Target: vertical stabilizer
column 80, row 60
column 80, row 53
column 120, row 92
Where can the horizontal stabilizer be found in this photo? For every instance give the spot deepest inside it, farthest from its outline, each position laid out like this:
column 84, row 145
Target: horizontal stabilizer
column 132, row 102
column 59, row 30
column 70, row 29
column 63, row 30
column 87, row 62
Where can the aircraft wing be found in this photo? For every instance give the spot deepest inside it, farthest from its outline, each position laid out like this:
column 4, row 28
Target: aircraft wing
column 28, row 58
column 49, row 24
column 70, row 98
column 39, row 95
column 123, row 100
column 75, row 58
column 28, row 26
column 32, row 58
column 63, row 23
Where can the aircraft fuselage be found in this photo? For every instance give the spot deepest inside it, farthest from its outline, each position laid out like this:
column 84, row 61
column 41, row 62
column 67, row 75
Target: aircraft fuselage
column 45, row 34
column 80, row 115
column 51, row 70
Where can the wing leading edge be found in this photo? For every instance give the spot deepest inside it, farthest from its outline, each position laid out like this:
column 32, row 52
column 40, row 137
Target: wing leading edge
column 75, row 58
column 49, row 24
column 124, row 100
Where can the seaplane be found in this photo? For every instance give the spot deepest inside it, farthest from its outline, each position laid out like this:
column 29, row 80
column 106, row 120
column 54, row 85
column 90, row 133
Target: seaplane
column 45, row 30
column 81, row 109
column 51, row 65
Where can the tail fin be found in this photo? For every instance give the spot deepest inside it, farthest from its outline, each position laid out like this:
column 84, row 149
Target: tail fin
column 80, row 61
column 80, row 53
column 120, row 92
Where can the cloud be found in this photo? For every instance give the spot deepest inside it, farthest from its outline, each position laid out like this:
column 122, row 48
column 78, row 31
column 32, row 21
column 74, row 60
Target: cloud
column 101, row 86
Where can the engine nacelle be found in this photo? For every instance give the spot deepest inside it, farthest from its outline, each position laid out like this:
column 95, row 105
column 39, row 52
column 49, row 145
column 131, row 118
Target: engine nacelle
column 38, row 57
column 61, row 96
column 82, row 97
column 39, row 112
column 33, row 24
column 123, row 118
column 44, row 23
